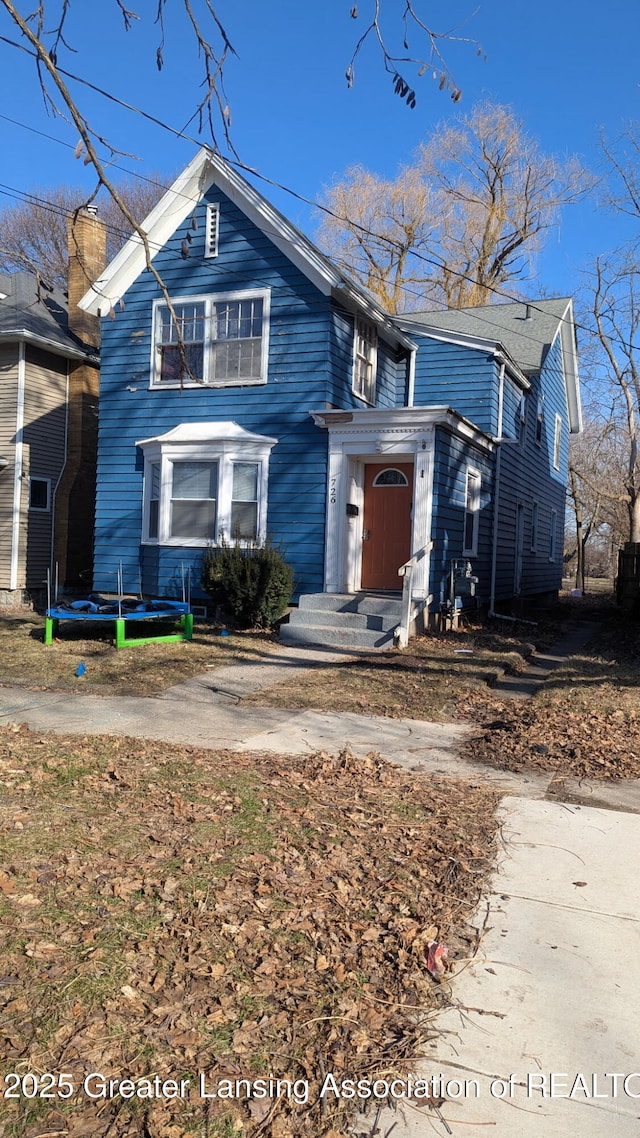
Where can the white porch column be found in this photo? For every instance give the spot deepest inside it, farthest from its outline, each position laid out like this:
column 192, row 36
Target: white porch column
column 336, row 514
column 422, row 509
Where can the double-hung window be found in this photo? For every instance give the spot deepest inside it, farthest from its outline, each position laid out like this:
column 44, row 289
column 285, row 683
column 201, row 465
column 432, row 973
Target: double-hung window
column 471, row 513
column 194, row 496
column 365, row 359
column 180, row 342
column 204, row 482
column 218, row 341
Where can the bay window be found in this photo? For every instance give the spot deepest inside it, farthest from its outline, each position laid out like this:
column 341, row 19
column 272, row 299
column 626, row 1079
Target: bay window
column 203, row 482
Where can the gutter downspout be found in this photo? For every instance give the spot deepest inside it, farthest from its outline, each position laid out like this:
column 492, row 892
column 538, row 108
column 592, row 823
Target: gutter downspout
column 496, row 493
column 17, row 470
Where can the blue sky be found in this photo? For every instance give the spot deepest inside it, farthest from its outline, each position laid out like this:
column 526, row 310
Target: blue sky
column 567, row 68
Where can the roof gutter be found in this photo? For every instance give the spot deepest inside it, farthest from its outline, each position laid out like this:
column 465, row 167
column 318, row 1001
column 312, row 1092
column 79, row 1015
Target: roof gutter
column 71, row 352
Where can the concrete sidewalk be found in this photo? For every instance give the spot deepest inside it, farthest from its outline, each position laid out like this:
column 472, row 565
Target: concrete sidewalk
column 554, row 992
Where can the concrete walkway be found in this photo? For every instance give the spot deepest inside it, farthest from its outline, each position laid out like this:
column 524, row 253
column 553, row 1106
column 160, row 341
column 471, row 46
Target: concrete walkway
column 552, row 1001
column 543, row 1037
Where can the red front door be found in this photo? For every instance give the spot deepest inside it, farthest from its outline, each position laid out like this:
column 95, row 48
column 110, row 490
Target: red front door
column 388, row 497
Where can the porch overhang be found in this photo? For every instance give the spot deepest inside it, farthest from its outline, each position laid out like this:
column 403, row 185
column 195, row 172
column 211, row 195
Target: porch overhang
column 410, row 419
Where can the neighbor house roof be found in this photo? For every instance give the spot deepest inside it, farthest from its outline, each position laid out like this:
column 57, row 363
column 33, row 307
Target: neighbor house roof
column 524, row 331
column 36, row 313
column 178, row 203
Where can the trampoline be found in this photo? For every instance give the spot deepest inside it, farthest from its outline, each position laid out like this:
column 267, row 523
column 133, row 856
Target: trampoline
column 121, row 611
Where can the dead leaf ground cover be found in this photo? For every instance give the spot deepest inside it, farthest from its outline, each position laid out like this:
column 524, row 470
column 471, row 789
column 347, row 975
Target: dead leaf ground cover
column 424, row 681
column 585, row 720
column 166, row 911
column 144, row 670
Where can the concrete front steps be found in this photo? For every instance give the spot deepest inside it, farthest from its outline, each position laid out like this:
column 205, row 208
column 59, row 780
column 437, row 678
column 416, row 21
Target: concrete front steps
column 335, row 620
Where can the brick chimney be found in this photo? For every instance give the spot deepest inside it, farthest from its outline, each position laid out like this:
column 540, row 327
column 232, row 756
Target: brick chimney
column 87, row 250
column 75, row 496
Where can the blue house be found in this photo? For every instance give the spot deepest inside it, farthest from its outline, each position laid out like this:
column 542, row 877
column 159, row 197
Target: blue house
column 251, row 390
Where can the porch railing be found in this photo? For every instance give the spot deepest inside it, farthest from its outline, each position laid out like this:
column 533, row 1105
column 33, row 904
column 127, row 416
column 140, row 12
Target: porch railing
column 406, row 572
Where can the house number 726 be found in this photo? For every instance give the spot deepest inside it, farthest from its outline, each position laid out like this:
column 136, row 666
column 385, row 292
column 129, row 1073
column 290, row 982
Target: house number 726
column 332, row 490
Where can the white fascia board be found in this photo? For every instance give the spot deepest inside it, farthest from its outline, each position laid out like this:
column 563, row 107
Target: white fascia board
column 406, row 417
column 182, row 197
column 22, row 335
column 159, row 226
column 478, row 343
column 567, row 333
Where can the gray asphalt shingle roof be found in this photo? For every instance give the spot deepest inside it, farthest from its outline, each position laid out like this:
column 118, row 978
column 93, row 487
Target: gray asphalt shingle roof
column 525, row 330
column 38, row 313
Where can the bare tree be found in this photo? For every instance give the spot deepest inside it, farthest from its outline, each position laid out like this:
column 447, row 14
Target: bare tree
column 390, row 226
column 595, row 463
column 462, row 221
column 616, row 314
column 46, row 30
column 33, row 232
column 624, row 164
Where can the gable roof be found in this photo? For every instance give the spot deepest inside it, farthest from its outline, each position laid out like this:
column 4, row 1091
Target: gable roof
column 525, row 331
column 33, row 312
column 179, row 201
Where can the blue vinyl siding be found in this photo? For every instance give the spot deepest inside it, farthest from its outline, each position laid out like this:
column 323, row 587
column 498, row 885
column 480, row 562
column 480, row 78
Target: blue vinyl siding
column 452, row 457
column 299, row 380
column 528, row 478
column 450, row 375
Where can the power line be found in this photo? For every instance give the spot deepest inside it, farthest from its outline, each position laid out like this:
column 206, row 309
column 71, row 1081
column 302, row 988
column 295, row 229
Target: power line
column 429, row 260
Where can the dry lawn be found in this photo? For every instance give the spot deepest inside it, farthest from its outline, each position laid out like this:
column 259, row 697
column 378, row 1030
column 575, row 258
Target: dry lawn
column 424, row 681
column 144, row 670
column 166, row 911
column 585, row 720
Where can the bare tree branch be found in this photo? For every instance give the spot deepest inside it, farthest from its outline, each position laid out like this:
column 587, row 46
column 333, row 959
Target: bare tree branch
column 460, row 222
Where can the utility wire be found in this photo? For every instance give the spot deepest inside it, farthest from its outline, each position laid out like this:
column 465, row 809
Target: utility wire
column 181, row 134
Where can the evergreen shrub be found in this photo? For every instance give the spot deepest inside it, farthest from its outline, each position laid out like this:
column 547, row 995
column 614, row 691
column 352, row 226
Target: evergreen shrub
column 253, row 584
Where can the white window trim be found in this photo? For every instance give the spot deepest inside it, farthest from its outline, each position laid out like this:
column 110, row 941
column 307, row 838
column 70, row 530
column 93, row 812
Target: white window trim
column 557, row 442
column 209, row 299
column 372, row 331
column 535, row 521
column 539, row 421
column 553, row 537
column 522, row 419
column 212, row 229
column 225, row 455
column 40, row 509
column 472, row 550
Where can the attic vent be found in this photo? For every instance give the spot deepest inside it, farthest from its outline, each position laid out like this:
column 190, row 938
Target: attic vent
column 211, row 230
